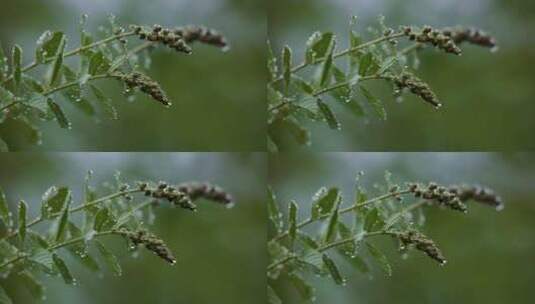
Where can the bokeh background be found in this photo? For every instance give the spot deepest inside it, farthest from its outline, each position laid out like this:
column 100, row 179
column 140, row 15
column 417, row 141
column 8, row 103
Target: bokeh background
column 488, row 97
column 490, row 254
column 218, row 98
column 221, row 253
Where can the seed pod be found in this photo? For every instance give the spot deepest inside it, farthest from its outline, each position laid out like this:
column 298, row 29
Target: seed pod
column 151, row 242
column 437, row 38
column 147, row 86
column 422, row 243
column 206, row 191
column 194, row 33
column 417, row 87
column 470, row 35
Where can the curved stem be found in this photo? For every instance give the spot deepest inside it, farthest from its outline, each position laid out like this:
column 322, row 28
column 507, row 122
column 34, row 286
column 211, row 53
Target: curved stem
column 330, row 246
column 328, row 89
column 395, row 217
column 76, row 209
column 13, row 260
column 344, row 52
column 80, row 239
column 76, row 240
column 75, row 83
column 8, row 106
column 75, row 52
column 346, row 83
column 345, row 210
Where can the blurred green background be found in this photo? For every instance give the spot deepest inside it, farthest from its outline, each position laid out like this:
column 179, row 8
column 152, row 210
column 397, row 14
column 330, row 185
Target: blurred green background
column 221, row 252
column 490, row 254
column 488, row 98
column 218, row 98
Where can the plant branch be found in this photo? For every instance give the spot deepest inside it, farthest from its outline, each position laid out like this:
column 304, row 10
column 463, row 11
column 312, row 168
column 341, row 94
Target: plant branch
column 344, row 52
column 330, row 246
column 395, row 217
column 345, row 210
column 76, row 209
column 74, row 52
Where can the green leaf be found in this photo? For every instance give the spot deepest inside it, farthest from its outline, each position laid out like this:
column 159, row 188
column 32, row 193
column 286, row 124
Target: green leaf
column 62, row 222
column 104, row 219
column 380, row 258
column 63, row 270
column 305, row 290
column 48, row 45
column 355, row 40
column 6, row 96
column 23, row 208
column 272, row 296
column 292, row 220
column 36, row 289
column 274, row 211
column 59, row 114
column 55, row 72
column 109, row 258
column 318, row 45
column 5, row 216
column 4, row 298
column 371, row 219
column 54, row 200
column 324, row 202
column 43, row 258
column 365, row 63
column 79, row 250
column 74, row 93
column 303, row 85
column 376, row 103
column 330, row 233
column 17, row 65
column 300, row 134
column 329, row 115
column 98, row 63
column 307, row 240
column 38, row 102
column 37, row 240
column 287, row 65
column 355, row 261
column 327, row 66
column 387, row 64
column 105, row 102
column 333, row 270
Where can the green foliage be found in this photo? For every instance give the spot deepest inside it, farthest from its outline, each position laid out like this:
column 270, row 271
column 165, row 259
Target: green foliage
column 335, row 231
column 114, row 209
column 27, row 96
column 338, row 78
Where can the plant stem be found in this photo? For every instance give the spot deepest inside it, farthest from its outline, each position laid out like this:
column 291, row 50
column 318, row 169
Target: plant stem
column 80, row 239
column 393, row 219
column 328, row 89
column 345, row 210
column 76, row 209
column 8, row 106
column 344, row 52
column 75, row 83
column 13, row 260
column 346, row 83
column 330, row 246
column 75, row 51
